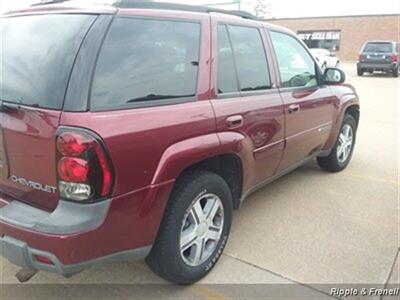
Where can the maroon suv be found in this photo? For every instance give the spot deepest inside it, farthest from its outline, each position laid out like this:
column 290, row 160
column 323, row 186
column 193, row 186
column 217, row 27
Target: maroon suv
column 133, row 131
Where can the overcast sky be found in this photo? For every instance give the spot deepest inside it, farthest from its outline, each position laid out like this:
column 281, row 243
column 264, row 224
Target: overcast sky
column 281, row 8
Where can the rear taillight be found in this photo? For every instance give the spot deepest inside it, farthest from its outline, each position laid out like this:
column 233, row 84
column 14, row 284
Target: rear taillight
column 83, row 167
column 394, row 57
column 361, row 57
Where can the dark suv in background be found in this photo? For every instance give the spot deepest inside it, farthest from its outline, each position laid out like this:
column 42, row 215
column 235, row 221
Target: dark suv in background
column 380, row 56
column 134, row 130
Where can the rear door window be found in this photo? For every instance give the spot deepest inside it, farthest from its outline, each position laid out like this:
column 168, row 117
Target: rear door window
column 37, row 55
column 250, row 58
column 146, row 62
column 379, row 47
column 227, row 78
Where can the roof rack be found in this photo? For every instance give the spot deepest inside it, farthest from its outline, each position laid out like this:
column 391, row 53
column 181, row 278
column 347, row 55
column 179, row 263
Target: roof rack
column 181, row 7
column 149, row 4
column 45, row 2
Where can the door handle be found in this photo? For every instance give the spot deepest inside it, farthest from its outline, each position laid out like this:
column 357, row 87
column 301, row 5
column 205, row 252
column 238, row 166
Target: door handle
column 294, row 108
column 234, row 121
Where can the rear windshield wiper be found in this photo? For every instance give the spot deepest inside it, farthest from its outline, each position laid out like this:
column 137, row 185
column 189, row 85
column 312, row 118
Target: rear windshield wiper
column 157, row 97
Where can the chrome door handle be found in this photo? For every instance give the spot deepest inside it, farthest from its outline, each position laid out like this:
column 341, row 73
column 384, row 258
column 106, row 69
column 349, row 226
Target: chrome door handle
column 294, row 108
column 234, row 121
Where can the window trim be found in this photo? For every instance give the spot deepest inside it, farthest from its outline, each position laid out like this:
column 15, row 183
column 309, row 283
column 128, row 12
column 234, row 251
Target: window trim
column 234, row 61
column 147, row 103
column 241, row 93
column 317, row 70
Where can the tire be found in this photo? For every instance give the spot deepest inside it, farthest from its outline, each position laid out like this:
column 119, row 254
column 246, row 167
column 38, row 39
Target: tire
column 166, row 258
column 395, row 72
column 338, row 160
column 360, row 72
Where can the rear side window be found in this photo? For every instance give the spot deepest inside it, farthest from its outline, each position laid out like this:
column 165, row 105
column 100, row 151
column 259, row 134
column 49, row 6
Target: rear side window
column 147, row 62
column 251, row 61
column 37, row 55
column 379, row 47
column 227, row 80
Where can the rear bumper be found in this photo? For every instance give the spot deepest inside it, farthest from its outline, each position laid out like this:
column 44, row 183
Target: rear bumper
column 76, row 236
column 20, row 254
column 377, row 66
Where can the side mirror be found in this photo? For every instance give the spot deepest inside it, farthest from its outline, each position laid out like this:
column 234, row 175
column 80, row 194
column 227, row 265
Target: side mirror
column 334, row 76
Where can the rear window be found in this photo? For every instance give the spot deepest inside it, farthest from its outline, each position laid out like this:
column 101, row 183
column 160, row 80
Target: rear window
column 379, row 47
column 147, row 62
column 37, row 55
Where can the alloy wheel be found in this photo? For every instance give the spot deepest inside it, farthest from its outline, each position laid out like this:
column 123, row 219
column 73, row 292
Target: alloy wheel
column 346, row 141
column 201, row 229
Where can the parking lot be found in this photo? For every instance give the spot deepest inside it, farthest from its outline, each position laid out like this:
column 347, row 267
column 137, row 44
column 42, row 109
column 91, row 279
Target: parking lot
column 307, row 229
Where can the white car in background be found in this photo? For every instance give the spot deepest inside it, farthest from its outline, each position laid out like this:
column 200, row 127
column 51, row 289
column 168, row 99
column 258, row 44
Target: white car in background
column 325, row 58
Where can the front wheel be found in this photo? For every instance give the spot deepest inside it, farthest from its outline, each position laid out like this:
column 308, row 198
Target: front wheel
column 342, row 152
column 395, row 72
column 194, row 230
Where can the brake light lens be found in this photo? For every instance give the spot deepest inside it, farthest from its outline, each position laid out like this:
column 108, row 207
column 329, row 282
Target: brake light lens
column 73, row 169
column 44, row 260
column 361, row 57
column 83, row 166
column 394, row 57
column 72, row 144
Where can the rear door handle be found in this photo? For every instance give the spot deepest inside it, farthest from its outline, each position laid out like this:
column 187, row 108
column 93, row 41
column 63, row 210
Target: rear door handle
column 294, row 108
column 234, row 121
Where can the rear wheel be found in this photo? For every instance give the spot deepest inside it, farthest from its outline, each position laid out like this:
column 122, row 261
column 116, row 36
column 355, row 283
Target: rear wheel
column 360, row 72
column 342, row 152
column 194, row 230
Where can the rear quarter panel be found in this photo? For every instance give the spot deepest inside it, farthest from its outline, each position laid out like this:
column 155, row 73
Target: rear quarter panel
column 137, row 139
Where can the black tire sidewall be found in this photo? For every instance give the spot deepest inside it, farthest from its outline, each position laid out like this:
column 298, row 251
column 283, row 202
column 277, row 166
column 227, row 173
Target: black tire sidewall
column 181, row 201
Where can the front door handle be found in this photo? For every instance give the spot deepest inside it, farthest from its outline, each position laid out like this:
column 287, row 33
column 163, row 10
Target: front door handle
column 234, row 121
column 294, row 108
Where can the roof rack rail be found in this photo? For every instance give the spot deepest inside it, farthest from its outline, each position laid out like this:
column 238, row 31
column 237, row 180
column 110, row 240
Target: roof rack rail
column 45, row 2
column 181, row 7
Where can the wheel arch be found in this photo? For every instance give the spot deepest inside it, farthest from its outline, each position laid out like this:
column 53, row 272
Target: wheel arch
column 354, row 111
column 213, row 152
column 349, row 104
column 228, row 166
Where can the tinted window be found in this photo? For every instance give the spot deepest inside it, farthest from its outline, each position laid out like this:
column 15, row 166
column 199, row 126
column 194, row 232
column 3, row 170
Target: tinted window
column 296, row 66
column 37, row 56
column 146, row 60
column 250, row 58
column 227, row 80
column 378, row 47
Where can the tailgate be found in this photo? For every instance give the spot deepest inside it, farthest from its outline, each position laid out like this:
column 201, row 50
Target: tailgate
column 38, row 53
column 378, row 52
column 378, row 58
column 28, row 156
